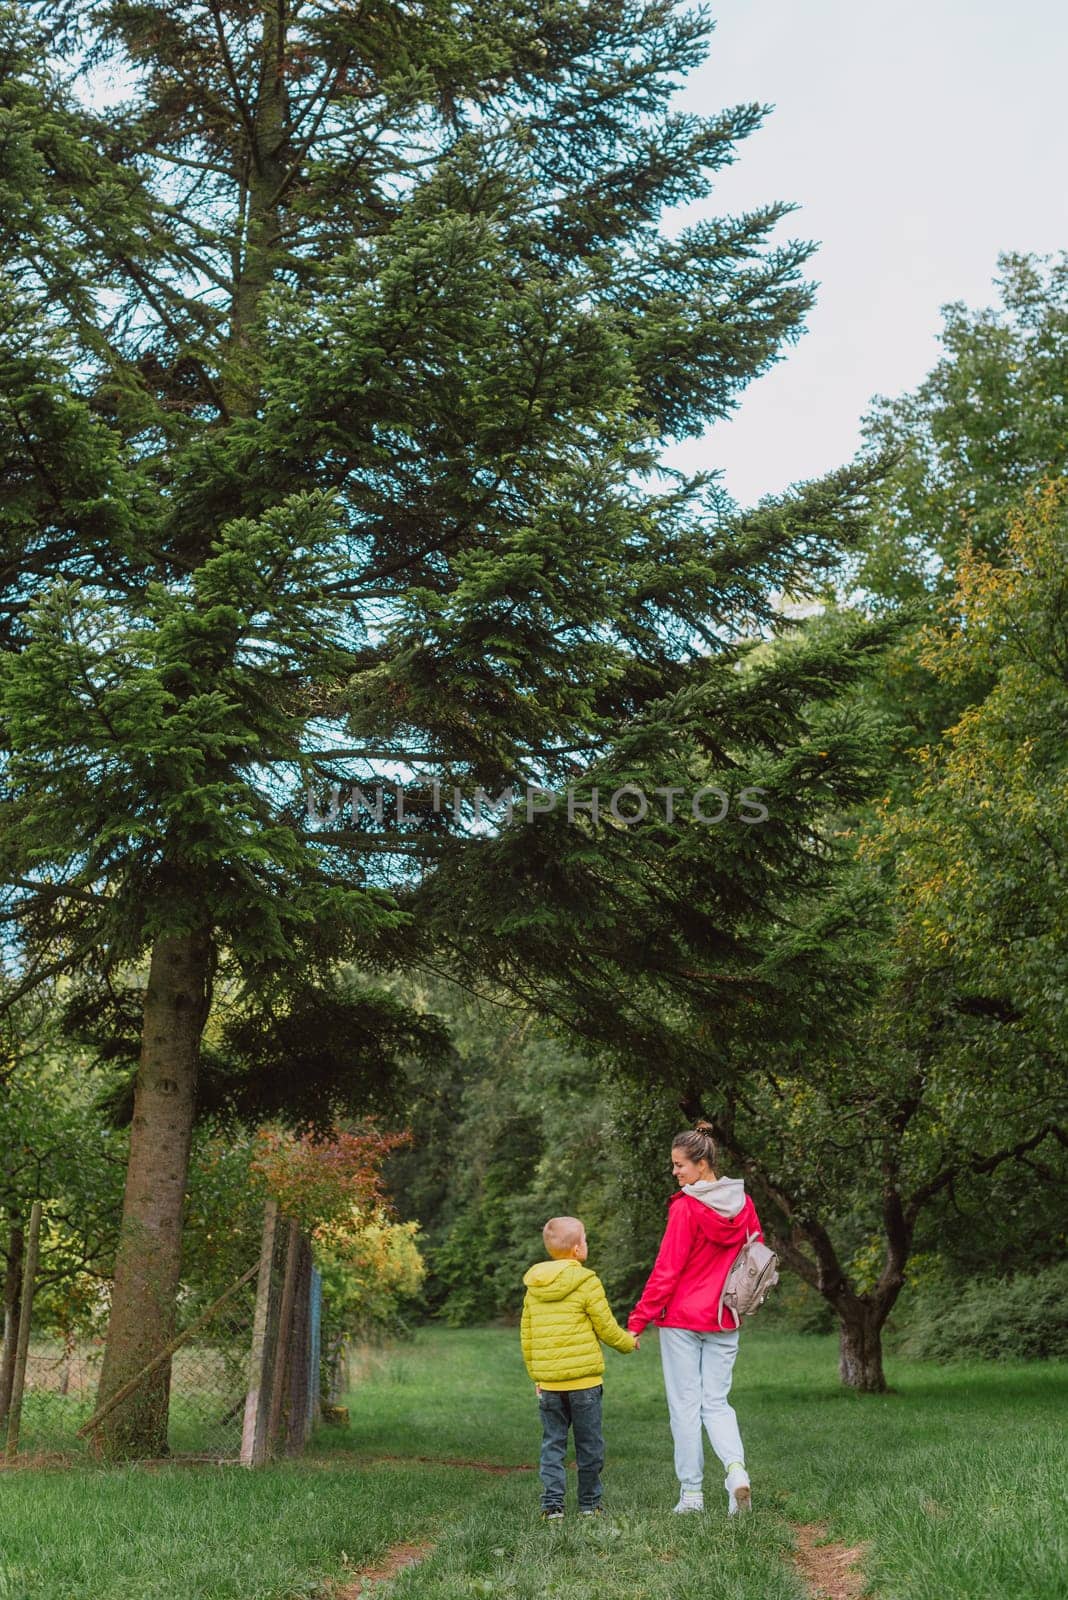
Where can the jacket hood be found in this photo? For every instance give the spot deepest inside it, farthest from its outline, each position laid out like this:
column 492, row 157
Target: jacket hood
column 554, row 1280
column 724, row 1211
column 726, row 1196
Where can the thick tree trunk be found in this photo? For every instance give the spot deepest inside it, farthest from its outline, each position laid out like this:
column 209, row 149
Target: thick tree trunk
column 148, row 1262
column 12, row 1301
column 860, row 1350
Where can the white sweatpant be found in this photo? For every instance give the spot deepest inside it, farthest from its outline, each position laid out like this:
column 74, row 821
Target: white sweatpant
column 697, row 1378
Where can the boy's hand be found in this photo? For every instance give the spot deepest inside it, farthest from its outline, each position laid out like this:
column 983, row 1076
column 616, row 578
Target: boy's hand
column 637, row 1341
column 537, row 1390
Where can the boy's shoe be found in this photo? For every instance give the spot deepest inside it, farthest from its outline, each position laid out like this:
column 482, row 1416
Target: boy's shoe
column 590, row 1511
column 554, row 1514
column 739, row 1495
column 689, row 1500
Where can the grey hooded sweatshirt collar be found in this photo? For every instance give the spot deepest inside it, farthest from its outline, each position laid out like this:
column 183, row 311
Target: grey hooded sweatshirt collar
column 725, row 1196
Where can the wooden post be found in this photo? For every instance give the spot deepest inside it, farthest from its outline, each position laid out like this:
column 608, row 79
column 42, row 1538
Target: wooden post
column 285, row 1321
column 29, row 1273
column 16, row 1256
column 297, row 1390
column 254, row 1433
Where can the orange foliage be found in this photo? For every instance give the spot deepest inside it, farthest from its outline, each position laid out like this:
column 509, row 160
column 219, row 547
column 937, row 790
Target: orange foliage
column 319, row 1180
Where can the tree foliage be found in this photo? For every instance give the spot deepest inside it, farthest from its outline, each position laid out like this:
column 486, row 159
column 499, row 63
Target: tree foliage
column 982, row 855
column 319, row 1180
column 60, row 1148
column 333, row 1185
column 986, row 425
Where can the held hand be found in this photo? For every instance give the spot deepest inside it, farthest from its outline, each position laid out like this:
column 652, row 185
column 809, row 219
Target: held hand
column 637, row 1341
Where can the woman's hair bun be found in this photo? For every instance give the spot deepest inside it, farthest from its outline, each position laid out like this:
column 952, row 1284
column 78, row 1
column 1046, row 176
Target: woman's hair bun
column 698, row 1143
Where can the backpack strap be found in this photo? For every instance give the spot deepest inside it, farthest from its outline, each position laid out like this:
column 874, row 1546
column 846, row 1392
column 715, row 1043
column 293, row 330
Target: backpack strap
column 720, row 1309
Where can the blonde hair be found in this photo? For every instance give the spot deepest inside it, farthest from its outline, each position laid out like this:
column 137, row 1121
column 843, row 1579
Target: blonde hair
column 697, row 1143
column 562, row 1234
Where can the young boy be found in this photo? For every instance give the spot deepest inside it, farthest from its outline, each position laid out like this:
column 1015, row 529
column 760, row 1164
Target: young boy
column 565, row 1313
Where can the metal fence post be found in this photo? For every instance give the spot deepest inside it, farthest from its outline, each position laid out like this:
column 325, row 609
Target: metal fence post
column 315, row 1351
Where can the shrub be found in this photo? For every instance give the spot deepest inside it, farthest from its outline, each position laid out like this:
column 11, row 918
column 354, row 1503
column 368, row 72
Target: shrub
column 370, row 1271
column 1024, row 1318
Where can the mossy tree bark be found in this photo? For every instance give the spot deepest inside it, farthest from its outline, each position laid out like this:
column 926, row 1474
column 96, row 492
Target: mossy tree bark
column 860, row 1351
column 148, row 1264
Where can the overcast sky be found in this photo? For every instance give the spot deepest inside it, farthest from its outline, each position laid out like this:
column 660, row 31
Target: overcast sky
column 919, row 140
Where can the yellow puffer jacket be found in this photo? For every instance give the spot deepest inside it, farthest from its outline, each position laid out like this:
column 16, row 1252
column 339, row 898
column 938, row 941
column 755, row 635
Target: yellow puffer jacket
column 565, row 1313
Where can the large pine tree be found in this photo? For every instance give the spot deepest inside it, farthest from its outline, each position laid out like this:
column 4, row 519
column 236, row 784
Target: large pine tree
column 338, row 353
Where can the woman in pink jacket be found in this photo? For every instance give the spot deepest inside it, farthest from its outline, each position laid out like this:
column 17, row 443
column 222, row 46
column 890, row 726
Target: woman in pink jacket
column 709, row 1220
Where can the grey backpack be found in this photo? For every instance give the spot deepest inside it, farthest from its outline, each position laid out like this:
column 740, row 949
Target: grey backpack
column 754, row 1273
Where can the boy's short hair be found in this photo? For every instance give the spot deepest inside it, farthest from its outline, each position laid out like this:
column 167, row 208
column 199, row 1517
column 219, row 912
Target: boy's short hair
column 562, row 1234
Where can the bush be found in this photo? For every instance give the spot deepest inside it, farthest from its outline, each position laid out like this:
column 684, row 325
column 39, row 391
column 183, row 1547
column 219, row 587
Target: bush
column 995, row 1319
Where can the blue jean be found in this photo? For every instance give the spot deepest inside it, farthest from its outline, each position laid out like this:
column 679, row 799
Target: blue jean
column 579, row 1410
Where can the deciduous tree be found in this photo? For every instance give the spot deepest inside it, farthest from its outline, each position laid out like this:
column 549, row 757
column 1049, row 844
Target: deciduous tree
column 60, row 1148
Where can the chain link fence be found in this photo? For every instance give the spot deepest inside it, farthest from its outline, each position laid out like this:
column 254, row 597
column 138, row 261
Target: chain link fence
column 244, row 1378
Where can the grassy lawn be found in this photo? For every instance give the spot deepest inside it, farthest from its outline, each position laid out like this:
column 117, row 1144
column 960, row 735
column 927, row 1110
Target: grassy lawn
column 956, row 1482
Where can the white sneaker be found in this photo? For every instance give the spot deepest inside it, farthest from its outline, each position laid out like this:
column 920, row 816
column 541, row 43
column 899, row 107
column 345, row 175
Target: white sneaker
column 689, row 1500
column 739, row 1497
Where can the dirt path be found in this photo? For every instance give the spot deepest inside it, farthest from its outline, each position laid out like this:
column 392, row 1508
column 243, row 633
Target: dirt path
column 394, row 1561
column 830, row 1571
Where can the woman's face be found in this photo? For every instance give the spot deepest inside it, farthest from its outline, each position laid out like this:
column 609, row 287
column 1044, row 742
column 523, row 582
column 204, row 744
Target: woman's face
column 686, row 1171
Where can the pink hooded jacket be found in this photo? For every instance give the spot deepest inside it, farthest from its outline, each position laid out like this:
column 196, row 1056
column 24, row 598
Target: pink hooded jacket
column 707, row 1225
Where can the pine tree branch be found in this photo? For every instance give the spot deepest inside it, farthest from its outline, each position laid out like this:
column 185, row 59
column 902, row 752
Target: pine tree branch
column 172, row 158
column 39, row 973
column 243, row 109
column 186, row 254
column 360, row 841
column 325, row 84
column 40, row 468
column 52, row 891
column 146, row 286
